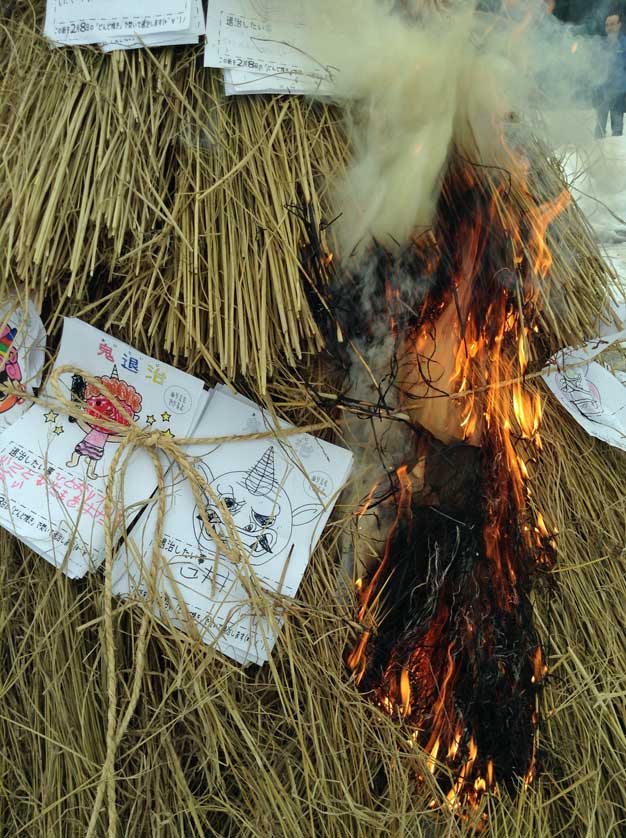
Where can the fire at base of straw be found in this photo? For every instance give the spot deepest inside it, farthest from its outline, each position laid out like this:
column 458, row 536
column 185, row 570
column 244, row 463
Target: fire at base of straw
column 448, row 645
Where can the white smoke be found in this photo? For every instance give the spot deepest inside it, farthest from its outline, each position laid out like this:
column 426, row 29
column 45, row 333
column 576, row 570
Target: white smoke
column 419, row 84
column 414, row 86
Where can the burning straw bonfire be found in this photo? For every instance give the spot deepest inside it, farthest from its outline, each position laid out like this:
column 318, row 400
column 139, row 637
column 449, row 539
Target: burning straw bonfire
column 464, row 492
column 449, row 645
column 458, row 323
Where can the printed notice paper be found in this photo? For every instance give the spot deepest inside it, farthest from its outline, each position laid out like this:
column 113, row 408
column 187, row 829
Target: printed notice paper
column 278, row 491
column 54, row 469
column 242, row 82
column 92, row 21
column 262, row 46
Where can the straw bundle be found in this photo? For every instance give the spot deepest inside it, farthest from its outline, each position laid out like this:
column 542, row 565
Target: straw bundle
column 130, row 182
column 124, row 233
column 292, row 749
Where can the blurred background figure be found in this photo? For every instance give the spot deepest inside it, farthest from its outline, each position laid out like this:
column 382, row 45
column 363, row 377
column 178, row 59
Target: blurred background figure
column 587, row 16
column 610, row 98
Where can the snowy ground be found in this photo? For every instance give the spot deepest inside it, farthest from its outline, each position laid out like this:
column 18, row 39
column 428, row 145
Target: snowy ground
column 596, row 171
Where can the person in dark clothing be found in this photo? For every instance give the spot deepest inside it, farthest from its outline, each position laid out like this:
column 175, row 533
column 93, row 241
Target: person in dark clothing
column 611, row 97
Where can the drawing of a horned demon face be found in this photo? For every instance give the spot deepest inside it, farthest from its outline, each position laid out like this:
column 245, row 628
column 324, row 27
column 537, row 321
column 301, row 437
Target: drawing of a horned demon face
column 261, row 511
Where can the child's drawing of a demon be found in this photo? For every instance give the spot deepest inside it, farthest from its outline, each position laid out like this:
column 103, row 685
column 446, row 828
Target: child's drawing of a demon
column 261, row 511
column 99, row 404
column 582, row 392
column 10, row 370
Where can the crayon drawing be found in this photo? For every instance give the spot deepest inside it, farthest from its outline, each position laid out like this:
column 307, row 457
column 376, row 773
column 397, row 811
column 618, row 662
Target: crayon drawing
column 102, row 401
column 10, row 369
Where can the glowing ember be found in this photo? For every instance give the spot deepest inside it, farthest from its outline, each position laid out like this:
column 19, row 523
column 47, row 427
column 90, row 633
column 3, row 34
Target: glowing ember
column 449, row 647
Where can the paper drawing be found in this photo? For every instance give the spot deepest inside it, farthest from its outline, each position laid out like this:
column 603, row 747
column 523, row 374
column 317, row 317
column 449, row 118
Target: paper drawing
column 22, row 344
column 54, row 467
column 260, row 509
column 99, row 405
column 581, row 392
column 590, row 391
column 260, row 500
column 10, row 372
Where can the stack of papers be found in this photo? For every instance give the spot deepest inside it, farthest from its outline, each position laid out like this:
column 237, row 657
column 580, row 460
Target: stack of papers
column 116, row 24
column 261, row 46
column 22, row 356
column 222, row 555
column 590, row 392
column 278, row 493
column 54, row 469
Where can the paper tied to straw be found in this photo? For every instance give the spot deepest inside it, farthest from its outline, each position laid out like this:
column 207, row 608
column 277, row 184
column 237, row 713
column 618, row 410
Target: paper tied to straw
column 54, row 468
column 22, row 356
column 104, row 21
column 191, row 35
column 588, row 390
column 261, row 46
column 269, row 501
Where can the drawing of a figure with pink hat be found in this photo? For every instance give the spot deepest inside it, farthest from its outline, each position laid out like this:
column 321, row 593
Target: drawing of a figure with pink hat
column 113, row 400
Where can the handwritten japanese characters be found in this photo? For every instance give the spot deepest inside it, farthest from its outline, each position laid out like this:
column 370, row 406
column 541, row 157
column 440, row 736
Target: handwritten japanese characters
column 267, row 500
column 54, row 468
column 248, row 530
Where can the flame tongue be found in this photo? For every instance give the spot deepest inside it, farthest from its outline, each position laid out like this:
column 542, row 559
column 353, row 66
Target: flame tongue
column 456, row 657
column 459, row 668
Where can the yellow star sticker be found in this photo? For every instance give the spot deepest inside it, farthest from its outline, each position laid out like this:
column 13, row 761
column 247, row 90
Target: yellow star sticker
column 168, row 433
column 51, row 417
column 150, row 420
column 165, row 416
column 58, row 430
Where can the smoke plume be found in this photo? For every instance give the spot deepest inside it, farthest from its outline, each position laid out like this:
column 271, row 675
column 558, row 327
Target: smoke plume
column 424, row 82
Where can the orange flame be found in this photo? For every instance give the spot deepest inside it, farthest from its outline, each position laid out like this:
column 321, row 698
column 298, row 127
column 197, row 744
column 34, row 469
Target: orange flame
column 480, row 358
